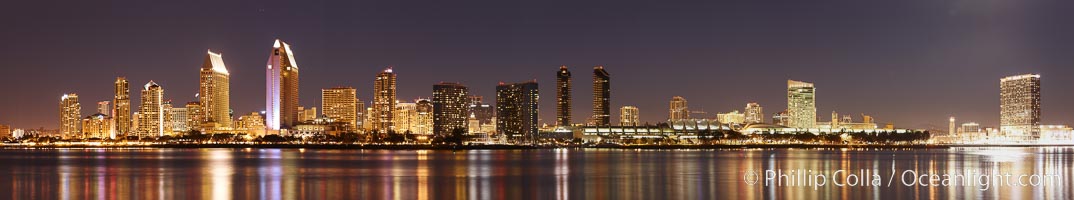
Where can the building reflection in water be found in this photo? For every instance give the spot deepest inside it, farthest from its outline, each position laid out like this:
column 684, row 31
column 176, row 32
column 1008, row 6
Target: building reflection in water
column 503, row 174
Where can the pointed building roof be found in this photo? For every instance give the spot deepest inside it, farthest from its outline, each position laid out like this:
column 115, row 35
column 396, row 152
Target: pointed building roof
column 151, row 84
column 215, row 62
column 287, row 51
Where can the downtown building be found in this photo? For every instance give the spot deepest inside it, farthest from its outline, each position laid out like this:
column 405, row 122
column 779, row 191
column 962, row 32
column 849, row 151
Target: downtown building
column 628, row 116
column 451, row 103
column 423, row 124
column 214, row 94
column 1019, row 116
column 677, row 109
column 801, row 105
column 97, row 126
column 341, row 105
column 516, row 111
column 563, row 97
column 70, row 116
column 151, row 113
column 754, row 113
column 121, row 107
column 383, row 108
column 601, row 97
column 281, row 101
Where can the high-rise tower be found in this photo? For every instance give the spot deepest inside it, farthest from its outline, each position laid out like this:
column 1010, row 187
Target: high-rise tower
column 383, row 101
column 677, row 109
column 516, row 111
column 151, row 121
column 801, row 105
column 754, row 113
column 628, row 116
column 601, row 97
column 563, row 97
column 121, row 109
column 451, row 107
column 281, row 103
column 341, row 104
column 70, row 116
column 1019, row 107
column 215, row 94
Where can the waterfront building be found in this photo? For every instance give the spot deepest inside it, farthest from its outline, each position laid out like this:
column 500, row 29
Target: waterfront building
column 319, row 127
column 406, row 117
column 281, row 102
column 383, row 101
column 308, row 114
column 1056, row 134
column 252, row 124
column 215, row 94
column 563, row 97
column 5, row 132
column 423, row 124
column 628, row 116
column 180, row 120
column 1020, row 107
column 601, row 97
column 781, row 118
column 339, row 104
column 951, row 126
column 151, row 113
column 734, row 117
column 801, row 105
column 194, row 114
column 678, row 109
column 121, row 110
column 516, row 111
column 70, row 116
column 103, row 107
column 97, row 126
column 754, row 113
column 450, row 107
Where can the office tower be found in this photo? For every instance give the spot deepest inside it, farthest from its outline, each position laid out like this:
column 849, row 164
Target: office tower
column 601, row 97
column 451, row 103
column 754, row 113
column 151, row 119
column 383, row 101
column 1019, row 114
column 678, row 109
column 341, row 104
column 215, row 94
column 801, row 105
column 424, row 120
column 166, row 107
column 405, row 119
column 180, row 120
column 103, row 107
column 135, row 119
column 194, row 115
column 281, row 103
column 359, row 115
column 516, row 111
column 97, row 126
column 253, row 124
column 70, row 116
column 368, row 122
column 121, row 109
column 951, row 126
column 563, row 97
column 307, row 114
column 628, row 116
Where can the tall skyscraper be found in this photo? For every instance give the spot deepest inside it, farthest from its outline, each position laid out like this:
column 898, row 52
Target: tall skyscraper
column 801, row 105
column 341, row 104
column 628, row 116
column 151, row 119
column 516, row 111
column 406, row 117
column 383, row 101
column 601, row 97
column 424, row 121
column 1019, row 108
column 215, row 94
column 754, row 113
column 281, row 103
column 97, row 126
column 451, row 106
column 678, row 109
column 563, row 97
column 951, row 126
column 121, row 110
column 70, row 116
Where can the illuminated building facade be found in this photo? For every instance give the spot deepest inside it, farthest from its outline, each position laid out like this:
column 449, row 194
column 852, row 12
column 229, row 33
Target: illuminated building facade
column 734, row 117
column 563, row 97
column 103, row 107
column 215, row 94
column 406, row 117
column 97, row 126
column 601, row 97
column 678, row 109
column 1019, row 107
column 121, row 109
column 516, row 111
column 801, row 105
column 180, row 120
column 383, row 101
column 424, row 121
column 70, row 116
column 252, row 124
column 451, row 105
column 281, row 103
column 151, row 113
column 754, row 113
column 628, row 116
column 308, row 114
column 341, row 105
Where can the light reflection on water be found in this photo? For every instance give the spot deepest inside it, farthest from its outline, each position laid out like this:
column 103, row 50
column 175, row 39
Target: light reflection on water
column 500, row 174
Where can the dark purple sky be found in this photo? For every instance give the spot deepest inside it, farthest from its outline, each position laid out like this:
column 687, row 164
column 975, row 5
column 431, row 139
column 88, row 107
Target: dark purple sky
column 912, row 62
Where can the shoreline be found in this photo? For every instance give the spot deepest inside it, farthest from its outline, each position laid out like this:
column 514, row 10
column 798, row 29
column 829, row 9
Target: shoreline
column 528, row 147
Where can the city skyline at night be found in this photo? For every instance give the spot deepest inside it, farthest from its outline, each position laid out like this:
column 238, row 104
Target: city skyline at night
column 713, row 61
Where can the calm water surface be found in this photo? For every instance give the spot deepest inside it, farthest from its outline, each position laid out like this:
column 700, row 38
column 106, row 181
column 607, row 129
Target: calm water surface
column 503, row 174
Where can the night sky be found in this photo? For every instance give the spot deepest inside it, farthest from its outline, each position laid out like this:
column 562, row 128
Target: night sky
column 911, row 62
